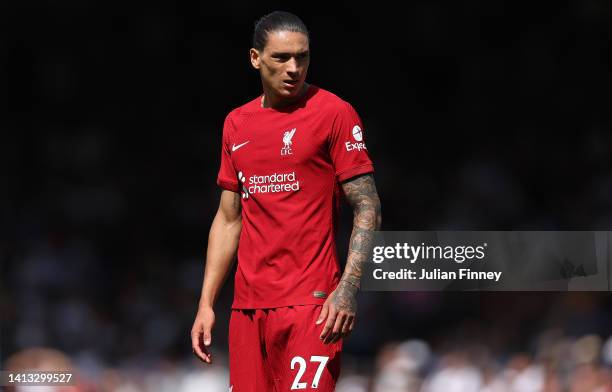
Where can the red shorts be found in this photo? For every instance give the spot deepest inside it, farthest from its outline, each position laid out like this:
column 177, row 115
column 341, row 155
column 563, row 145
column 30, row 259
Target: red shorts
column 278, row 350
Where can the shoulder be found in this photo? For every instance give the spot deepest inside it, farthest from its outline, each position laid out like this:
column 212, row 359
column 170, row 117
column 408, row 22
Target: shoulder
column 245, row 109
column 330, row 100
column 238, row 115
column 331, row 103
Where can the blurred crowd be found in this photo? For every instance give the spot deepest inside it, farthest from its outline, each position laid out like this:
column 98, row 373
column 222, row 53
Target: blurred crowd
column 557, row 364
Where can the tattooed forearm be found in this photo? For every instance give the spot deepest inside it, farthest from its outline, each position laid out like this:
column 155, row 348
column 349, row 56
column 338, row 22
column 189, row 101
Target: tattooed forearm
column 362, row 196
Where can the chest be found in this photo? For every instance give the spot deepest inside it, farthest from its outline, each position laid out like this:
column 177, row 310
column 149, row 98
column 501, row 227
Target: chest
column 281, row 142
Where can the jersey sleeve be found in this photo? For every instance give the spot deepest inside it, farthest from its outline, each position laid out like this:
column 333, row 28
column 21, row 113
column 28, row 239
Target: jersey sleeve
column 226, row 178
column 347, row 145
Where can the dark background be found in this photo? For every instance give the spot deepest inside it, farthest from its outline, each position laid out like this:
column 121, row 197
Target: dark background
column 478, row 115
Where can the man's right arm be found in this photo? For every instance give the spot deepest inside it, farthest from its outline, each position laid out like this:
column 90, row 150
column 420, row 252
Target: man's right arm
column 222, row 246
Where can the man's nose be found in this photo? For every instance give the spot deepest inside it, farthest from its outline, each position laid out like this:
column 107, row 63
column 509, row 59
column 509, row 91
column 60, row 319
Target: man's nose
column 292, row 66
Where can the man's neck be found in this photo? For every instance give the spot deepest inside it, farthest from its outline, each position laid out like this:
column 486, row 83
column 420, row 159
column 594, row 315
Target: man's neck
column 269, row 100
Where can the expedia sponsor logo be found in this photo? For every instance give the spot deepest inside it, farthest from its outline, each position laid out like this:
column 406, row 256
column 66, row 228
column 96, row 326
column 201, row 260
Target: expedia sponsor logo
column 358, row 136
column 270, row 183
column 355, row 146
column 357, row 133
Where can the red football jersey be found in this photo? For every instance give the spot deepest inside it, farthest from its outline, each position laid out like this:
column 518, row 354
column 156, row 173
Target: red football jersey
column 287, row 164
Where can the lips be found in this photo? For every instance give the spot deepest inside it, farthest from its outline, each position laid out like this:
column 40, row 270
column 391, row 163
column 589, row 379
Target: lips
column 290, row 82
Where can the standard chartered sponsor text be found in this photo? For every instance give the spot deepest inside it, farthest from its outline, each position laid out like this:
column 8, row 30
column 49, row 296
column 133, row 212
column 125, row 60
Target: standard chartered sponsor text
column 272, row 183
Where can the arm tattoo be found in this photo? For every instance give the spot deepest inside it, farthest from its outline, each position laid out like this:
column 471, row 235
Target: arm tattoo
column 361, row 194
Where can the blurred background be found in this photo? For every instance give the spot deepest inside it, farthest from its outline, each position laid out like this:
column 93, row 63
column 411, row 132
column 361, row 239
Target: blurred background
column 481, row 115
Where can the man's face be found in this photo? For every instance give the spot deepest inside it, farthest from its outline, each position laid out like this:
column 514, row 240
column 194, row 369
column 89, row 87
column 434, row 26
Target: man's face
column 283, row 63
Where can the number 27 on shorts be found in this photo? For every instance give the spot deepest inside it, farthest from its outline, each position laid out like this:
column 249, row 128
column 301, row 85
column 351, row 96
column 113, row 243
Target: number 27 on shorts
column 301, row 364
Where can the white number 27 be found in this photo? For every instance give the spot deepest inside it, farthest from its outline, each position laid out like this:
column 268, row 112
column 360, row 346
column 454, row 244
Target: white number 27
column 302, row 363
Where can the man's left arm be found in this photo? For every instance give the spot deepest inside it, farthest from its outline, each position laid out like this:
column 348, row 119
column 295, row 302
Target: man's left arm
column 341, row 306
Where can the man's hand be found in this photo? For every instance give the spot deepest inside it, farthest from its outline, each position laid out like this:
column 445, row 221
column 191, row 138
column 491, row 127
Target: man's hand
column 201, row 336
column 339, row 310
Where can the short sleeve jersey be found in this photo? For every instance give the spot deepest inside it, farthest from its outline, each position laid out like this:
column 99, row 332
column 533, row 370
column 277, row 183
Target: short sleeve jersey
column 287, row 165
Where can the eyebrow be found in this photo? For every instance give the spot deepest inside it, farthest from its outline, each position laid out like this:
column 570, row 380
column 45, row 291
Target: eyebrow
column 289, row 53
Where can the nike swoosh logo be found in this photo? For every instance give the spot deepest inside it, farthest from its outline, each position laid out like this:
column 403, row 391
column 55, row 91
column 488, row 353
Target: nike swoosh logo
column 235, row 147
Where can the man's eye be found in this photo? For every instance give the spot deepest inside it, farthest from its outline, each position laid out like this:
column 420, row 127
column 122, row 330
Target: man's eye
column 281, row 58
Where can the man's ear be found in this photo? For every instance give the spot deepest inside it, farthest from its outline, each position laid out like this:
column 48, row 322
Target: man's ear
column 255, row 58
